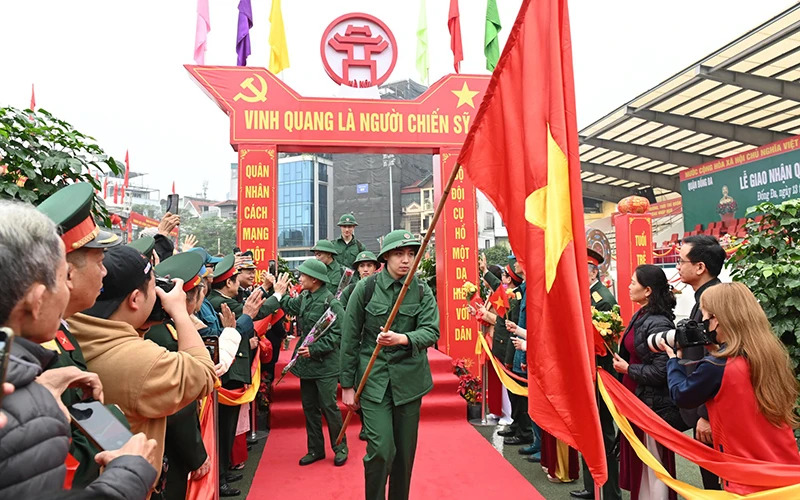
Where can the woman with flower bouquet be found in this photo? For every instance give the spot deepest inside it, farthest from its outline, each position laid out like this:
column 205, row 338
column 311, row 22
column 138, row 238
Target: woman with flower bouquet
column 317, row 364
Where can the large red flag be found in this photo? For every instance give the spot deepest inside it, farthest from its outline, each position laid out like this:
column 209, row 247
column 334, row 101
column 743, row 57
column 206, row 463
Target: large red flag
column 454, row 25
column 522, row 152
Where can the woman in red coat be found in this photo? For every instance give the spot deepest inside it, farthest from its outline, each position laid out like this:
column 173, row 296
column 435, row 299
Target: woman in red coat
column 747, row 382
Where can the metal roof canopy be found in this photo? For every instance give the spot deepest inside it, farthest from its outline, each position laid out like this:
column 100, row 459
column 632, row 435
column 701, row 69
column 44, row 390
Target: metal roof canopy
column 742, row 96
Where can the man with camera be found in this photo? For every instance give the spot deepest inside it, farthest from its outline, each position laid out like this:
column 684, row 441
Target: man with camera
column 700, row 261
column 35, row 435
column 146, row 381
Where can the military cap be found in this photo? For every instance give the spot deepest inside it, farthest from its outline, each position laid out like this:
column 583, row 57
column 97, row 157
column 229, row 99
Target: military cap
column 512, row 259
column 365, row 256
column 347, row 220
column 127, row 269
column 144, row 245
column 247, row 263
column 399, row 238
column 513, row 275
column 594, row 257
column 315, row 269
column 71, row 209
column 188, row 266
column 225, row 269
column 207, row 258
column 324, row 246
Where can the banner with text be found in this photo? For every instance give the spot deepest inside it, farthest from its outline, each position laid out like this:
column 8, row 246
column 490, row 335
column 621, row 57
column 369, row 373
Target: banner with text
column 724, row 189
column 257, row 211
column 456, row 261
column 634, row 233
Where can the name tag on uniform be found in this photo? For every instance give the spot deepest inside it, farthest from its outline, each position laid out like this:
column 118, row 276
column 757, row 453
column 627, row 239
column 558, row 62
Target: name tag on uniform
column 64, row 341
column 596, row 296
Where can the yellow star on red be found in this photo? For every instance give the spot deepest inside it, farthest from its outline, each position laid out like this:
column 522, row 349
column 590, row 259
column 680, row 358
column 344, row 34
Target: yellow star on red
column 465, row 96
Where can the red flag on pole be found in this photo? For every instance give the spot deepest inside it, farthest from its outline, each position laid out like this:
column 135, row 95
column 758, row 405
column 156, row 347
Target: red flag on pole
column 173, row 187
column 33, row 99
column 499, row 300
column 105, row 188
column 127, row 172
column 454, row 25
column 522, row 152
column 115, row 193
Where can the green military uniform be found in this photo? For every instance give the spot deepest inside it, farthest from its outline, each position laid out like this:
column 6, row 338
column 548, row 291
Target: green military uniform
column 183, row 441
column 334, row 270
column 70, row 209
column 365, row 256
column 400, row 377
column 603, row 300
column 318, row 374
column 347, row 252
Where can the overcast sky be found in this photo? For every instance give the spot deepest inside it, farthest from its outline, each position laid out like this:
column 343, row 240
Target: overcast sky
column 114, row 69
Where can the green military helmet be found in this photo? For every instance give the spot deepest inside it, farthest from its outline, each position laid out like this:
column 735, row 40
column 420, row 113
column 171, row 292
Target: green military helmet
column 365, row 256
column 315, row 269
column 144, row 245
column 71, row 209
column 186, row 266
column 325, row 246
column 225, row 269
column 398, row 239
column 347, row 220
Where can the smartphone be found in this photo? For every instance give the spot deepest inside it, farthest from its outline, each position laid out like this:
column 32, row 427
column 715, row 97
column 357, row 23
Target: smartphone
column 212, row 344
column 6, row 338
column 173, row 204
column 100, row 425
column 273, row 268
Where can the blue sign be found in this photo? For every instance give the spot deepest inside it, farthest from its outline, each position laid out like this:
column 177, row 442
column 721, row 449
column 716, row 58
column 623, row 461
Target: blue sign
column 362, row 189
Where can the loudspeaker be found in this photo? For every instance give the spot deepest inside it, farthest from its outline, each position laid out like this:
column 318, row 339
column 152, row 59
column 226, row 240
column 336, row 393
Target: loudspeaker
column 647, row 193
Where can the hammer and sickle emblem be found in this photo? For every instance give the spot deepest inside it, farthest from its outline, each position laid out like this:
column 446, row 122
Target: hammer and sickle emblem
column 258, row 95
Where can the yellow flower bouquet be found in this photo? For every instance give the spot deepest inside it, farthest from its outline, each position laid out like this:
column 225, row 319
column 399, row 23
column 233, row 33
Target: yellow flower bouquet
column 609, row 325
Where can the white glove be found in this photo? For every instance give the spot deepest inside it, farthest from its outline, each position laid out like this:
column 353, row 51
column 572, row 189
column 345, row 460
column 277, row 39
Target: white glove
column 228, row 346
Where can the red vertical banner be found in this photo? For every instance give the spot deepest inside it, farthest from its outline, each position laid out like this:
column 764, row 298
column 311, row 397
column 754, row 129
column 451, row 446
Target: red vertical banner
column 634, row 247
column 257, row 207
column 456, row 261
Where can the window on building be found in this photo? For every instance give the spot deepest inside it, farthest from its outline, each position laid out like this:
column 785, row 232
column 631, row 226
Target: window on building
column 487, row 244
column 489, row 220
column 415, row 225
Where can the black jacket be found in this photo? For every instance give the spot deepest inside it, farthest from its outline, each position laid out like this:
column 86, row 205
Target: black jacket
column 34, row 443
column 651, row 374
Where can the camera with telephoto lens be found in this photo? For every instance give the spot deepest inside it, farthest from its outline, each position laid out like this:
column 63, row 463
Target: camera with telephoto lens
column 687, row 333
column 158, row 314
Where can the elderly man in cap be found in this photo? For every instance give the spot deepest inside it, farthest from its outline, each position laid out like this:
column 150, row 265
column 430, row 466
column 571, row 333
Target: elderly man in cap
column 325, row 252
column 70, row 208
column 603, row 300
column 317, row 365
column 148, row 382
column 33, row 268
column 401, row 375
column 347, row 246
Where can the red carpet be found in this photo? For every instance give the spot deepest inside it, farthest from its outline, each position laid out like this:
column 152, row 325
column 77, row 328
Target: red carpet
column 453, row 460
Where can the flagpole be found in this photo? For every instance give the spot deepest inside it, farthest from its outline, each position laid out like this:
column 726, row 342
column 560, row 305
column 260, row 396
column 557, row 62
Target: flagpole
column 402, row 295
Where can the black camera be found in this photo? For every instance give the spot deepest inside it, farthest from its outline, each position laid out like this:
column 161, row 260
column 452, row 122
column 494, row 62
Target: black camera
column 687, row 333
column 158, row 314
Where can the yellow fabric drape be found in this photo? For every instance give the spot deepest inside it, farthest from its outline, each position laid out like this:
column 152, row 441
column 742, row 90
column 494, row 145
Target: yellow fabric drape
column 508, row 382
column 248, row 395
column 684, row 489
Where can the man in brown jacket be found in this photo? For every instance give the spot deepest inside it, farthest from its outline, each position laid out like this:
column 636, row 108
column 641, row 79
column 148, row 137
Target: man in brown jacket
column 148, row 382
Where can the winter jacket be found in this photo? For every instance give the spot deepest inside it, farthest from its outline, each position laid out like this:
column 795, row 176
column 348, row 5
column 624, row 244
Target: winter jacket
column 34, row 443
column 651, row 374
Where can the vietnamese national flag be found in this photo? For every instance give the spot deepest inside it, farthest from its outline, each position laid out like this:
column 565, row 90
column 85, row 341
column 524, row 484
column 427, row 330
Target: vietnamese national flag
column 454, row 26
column 105, row 188
column 522, row 152
column 127, row 173
column 115, row 193
column 33, row 99
column 499, row 300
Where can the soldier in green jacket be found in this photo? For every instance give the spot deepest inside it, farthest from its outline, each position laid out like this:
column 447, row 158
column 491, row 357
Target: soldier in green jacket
column 401, row 375
column 365, row 265
column 325, row 252
column 603, row 300
column 317, row 364
column 183, row 442
column 347, row 246
column 71, row 209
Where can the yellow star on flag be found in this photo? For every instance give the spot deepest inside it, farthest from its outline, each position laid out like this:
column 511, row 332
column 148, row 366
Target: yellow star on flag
column 549, row 208
column 465, row 96
column 499, row 303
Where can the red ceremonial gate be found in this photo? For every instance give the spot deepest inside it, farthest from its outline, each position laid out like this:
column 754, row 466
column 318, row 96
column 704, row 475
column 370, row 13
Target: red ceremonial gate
column 267, row 116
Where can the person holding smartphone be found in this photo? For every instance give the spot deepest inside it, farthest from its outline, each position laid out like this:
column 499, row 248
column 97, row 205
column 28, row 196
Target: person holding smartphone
column 36, row 432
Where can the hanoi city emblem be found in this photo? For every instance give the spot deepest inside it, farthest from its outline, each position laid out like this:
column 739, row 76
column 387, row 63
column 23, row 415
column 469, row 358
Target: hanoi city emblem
column 358, row 50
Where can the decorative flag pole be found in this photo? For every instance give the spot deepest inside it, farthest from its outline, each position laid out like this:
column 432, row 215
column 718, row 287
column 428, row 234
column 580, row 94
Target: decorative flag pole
column 278, row 51
column 201, row 32
column 402, row 295
column 454, row 26
column 243, row 32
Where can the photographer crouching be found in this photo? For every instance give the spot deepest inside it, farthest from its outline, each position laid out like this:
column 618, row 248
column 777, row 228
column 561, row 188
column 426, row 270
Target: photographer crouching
column 746, row 382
